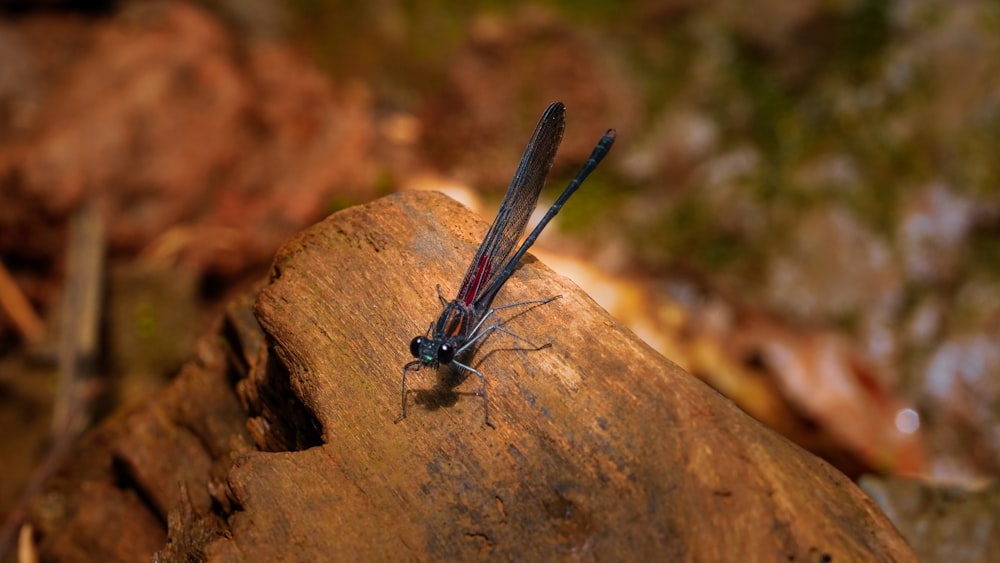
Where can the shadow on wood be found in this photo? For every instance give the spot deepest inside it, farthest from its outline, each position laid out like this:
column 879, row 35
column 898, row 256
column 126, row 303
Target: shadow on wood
column 602, row 449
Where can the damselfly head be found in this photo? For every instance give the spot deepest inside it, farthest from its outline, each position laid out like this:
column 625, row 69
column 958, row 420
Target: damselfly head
column 429, row 351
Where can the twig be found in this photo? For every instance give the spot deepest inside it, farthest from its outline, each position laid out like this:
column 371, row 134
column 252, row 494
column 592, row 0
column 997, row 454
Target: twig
column 78, row 347
column 16, row 305
column 81, row 318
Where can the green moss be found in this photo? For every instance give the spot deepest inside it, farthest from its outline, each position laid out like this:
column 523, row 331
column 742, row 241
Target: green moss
column 145, row 322
column 594, row 204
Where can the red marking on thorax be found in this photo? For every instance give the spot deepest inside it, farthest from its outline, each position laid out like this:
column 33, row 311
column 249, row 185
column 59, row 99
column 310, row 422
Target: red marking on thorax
column 454, row 326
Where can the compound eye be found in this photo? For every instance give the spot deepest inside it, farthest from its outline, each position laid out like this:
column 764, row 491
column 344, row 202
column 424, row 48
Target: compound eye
column 446, row 354
column 415, row 346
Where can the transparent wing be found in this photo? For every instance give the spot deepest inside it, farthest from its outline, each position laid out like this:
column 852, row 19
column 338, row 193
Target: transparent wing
column 498, row 246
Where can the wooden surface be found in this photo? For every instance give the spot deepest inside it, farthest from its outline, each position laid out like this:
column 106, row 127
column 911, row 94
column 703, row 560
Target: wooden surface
column 602, row 448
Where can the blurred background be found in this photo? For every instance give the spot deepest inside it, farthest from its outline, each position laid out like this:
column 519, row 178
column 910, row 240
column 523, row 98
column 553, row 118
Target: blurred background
column 802, row 207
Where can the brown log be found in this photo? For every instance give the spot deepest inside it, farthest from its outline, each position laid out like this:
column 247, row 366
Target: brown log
column 602, row 449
